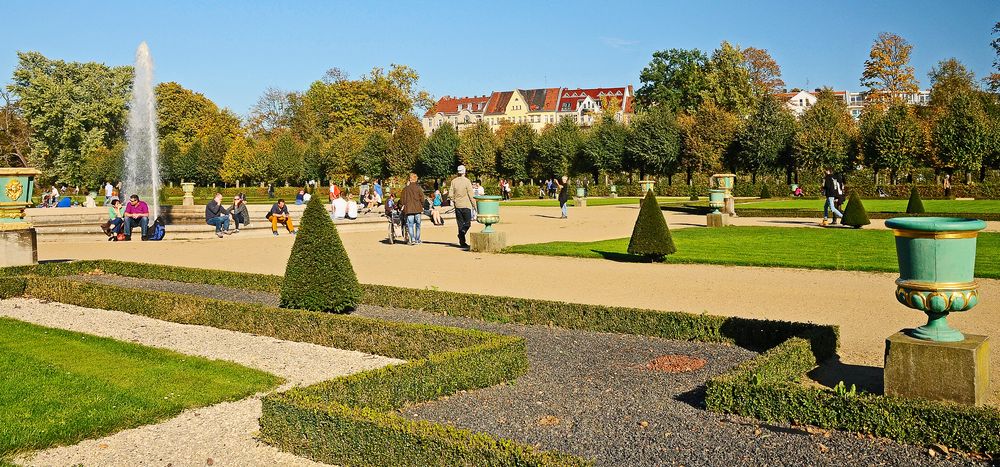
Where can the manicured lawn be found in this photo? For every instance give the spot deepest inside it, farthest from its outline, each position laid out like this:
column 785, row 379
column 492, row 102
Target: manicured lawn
column 884, row 205
column 590, row 201
column 59, row 387
column 811, row 248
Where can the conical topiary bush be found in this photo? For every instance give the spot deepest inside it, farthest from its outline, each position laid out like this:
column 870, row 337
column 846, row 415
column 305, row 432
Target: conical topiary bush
column 764, row 192
column 915, row 205
column 319, row 276
column 855, row 214
column 651, row 236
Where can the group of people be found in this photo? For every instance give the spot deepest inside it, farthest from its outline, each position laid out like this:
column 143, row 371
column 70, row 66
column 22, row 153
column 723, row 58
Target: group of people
column 122, row 220
column 833, row 193
column 505, row 190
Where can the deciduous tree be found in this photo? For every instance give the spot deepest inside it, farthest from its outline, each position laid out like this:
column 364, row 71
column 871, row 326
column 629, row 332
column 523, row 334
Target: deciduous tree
column 826, row 134
column 477, row 149
column 404, row 146
column 961, row 134
column 765, row 74
column 888, row 74
column 729, row 82
column 439, row 156
column 675, row 79
column 604, row 147
column 708, row 134
column 765, row 139
column 654, row 144
column 516, row 150
column 558, row 146
column 891, row 139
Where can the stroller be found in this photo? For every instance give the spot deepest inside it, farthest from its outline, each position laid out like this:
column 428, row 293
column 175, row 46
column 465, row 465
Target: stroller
column 397, row 224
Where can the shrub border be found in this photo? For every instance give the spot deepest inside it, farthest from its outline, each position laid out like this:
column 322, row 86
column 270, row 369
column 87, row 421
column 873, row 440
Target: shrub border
column 810, row 214
column 765, row 387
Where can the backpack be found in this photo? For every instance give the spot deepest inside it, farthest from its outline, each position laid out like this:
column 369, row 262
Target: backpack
column 159, row 230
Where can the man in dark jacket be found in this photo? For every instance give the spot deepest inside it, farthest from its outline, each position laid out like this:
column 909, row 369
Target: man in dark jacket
column 217, row 215
column 413, row 206
column 831, row 191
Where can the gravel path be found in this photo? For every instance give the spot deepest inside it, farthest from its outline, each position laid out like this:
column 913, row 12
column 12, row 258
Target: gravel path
column 224, row 432
column 584, row 395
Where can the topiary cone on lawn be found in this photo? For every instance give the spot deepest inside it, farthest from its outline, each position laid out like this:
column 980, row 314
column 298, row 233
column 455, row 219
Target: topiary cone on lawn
column 764, row 192
column 855, row 214
column 915, row 205
column 651, row 236
column 319, row 275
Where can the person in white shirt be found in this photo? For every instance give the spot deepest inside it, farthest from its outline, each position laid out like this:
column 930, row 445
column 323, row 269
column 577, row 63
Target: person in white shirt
column 306, row 197
column 352, row 208
column 340, row 206
column 109, row 191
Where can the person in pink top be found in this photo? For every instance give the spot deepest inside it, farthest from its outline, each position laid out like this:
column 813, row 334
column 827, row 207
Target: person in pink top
column 136, row 214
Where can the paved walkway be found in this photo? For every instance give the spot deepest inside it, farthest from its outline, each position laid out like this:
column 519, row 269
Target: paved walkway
column 862, row 304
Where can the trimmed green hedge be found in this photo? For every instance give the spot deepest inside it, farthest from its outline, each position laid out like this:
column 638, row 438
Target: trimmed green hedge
column 442, row 361
column 352, row 419
column 767, row 388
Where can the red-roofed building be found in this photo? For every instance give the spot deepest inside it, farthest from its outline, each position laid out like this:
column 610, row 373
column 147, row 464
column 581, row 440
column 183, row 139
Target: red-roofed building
column 585, row 105
column 461, row 112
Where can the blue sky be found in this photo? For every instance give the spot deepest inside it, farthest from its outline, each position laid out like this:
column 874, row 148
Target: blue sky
column 232, row 50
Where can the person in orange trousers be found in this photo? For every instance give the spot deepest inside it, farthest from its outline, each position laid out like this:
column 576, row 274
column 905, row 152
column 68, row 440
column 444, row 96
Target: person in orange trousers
column 279, row 215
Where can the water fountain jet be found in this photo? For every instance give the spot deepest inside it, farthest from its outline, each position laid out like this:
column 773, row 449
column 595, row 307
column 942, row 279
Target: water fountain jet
column 141, row 174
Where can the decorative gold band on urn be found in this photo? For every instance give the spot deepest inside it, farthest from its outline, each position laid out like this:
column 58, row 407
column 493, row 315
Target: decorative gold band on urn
column 944, row 234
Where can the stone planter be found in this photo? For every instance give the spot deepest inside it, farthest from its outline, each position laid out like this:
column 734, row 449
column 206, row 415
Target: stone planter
column 724, row 182
column 937, row 258
column 716, row 199
column 581, row 192
column 17, row 184
column 487, row 211
column 614, row 191
column 646, row 185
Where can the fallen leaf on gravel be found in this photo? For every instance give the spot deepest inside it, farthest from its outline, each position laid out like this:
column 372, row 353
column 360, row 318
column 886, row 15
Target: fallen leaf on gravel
column 209, row 461
column 940, row 448
column 102, row 446
column 823, row 448
column 816, row 431
column 644, row 424
column 757, row 432
column 548, row 420
column 931, row 452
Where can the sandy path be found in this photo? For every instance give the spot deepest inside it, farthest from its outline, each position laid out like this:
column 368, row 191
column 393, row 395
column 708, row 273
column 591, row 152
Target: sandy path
column 223, row 432
column 862, row 304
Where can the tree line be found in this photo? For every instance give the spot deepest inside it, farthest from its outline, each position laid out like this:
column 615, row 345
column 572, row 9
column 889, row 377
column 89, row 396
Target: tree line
column 697, row 113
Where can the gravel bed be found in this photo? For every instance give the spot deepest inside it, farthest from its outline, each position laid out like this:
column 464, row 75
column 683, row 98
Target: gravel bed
column 225, row 432
column 585, row 394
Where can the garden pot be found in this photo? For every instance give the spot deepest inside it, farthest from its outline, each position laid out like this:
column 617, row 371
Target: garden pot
column 716, row 199
column 17, row 184
column 646, row 185
column 188, row 188
column 487, row 211
column 614, row 191
column 937, row 260
column 581, row 192
column 724, row 182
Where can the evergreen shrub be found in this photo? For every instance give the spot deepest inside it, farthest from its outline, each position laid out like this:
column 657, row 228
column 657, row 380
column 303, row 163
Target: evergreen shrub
column 651, row 236
column 319, row 275
column 915, row 205
column 855, row 215
column 764, row 192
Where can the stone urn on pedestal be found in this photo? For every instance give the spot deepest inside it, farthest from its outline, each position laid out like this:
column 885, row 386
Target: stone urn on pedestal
column 580, row 200
column 716, row 201
column 726, row 182
column 937, row 258
column 188, row 188
column 487, row 213
column 646, row 185
column 18, row 241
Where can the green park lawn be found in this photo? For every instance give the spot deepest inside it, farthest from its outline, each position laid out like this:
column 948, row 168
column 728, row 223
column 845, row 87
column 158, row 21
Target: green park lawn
column 811, row 248
column 884, row 205
column 552, row 203
column 59, row 387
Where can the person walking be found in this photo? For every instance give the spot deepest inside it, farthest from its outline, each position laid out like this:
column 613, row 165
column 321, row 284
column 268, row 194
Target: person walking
column 413, row 207
column 947, row 186
column 563, row 196
column 463, row 200
column 217, row 216
column 109, row 192
column 830, row 192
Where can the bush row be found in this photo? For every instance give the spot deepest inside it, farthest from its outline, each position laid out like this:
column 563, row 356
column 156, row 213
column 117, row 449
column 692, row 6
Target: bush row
column 767, row 388
column 746, row 212
column 347, row 420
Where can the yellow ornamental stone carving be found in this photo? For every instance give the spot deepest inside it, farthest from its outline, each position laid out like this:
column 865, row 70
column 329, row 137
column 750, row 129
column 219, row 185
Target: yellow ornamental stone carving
column 14, row 190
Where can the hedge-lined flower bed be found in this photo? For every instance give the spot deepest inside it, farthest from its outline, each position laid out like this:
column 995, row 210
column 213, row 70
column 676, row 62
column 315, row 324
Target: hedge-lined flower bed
column 337, row 418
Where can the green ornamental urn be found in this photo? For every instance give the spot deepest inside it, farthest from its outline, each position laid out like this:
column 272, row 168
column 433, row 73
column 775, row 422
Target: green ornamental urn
column 581, row 192
column 488, row 211
column 937, row 260
column 16, row 187
column 716, row 199
column 646, row 185
column 724, row 182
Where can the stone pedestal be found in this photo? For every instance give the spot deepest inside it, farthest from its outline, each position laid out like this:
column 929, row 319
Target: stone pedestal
column 731, row 206
column 580, row 202
column 18, row 247
column 491, row 242
column 941, row 371
column 717, row 220
column 188, row 194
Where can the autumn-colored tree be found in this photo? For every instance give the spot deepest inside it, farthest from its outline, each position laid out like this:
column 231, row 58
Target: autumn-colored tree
column 707, row 135
column 477, row 149
column 15, row 135
column 949, row 78
column 826, row 136
column 765, row 74
column 888, row 74
column 239, row 162
column 272, row 111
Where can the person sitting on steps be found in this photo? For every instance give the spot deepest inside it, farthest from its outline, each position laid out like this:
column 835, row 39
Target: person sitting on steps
column 217, row 215
column 136, row 214
column 279, row 215
column 239, row 211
